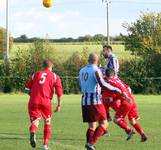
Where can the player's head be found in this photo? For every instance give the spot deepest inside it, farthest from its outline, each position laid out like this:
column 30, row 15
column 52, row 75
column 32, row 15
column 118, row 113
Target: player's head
column 107, row 51
column 47, row 63
column 93, row 58
column 109, row 72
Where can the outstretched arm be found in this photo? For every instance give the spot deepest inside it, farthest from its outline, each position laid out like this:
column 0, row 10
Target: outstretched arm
column 102, row 82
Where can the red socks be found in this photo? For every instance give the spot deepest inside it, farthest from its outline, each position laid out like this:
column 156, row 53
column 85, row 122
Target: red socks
column 138, row 128
column 89, row 135
column 123, row 124
column 47, row 133
column 33, row 128
column 100, row 130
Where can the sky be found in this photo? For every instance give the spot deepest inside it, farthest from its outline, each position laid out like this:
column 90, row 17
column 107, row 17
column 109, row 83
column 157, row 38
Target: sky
column 72, row 18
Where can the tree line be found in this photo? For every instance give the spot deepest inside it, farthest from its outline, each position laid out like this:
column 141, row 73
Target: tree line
column 142, row 72
column 86, row 38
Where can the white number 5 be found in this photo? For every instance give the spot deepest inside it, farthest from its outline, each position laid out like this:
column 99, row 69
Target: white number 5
column 43, row 78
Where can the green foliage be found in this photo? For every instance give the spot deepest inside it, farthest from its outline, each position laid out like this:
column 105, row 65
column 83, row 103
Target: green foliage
column 3, row 42
column 144, row 41
column 26, row 62
column 144, row 35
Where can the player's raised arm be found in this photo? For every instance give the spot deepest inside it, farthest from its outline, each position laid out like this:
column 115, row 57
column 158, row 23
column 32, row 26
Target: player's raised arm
column 59, row 93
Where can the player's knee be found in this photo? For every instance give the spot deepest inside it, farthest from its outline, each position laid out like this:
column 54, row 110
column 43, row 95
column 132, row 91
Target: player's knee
column 36, row 122
column 48, row 121
column 116, row 120
column 132, row 121
column 104, row 123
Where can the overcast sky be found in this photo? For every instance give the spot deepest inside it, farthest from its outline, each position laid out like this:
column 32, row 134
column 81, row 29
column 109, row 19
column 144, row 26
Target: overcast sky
column 72, row 18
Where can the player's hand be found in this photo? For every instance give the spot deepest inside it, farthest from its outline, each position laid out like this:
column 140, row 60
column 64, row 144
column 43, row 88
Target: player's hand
column 117, row 91
column 57, row 109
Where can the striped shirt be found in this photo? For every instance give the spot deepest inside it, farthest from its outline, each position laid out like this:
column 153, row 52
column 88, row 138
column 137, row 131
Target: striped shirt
column 113, row 63
column 91, row 81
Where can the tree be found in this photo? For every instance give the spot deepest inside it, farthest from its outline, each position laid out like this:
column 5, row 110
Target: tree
column 3, row 42
column 143, row 37
column 99, row 37
column 144, row 41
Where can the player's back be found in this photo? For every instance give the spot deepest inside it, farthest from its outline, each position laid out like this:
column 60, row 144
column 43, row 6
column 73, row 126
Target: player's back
column 106, row 93
column 115, row 81
column 42, row 86
column 90, row 88
column 87, row 79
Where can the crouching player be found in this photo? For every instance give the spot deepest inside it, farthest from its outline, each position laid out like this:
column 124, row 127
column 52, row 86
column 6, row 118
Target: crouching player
column 93, row 110
column 125, row 109
column 41, row 87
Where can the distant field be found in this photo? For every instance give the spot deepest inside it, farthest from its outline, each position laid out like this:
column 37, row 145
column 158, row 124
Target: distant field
column 67, row 49
column 68, row 131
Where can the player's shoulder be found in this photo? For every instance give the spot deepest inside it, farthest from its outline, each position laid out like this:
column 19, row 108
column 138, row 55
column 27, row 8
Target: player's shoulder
column 85, row 68
column 113, row 56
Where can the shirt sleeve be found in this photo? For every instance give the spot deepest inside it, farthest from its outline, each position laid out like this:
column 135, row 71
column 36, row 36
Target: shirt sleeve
column 58, row 87
column 121, row 85
column 115, row 63
column 29, row 83
column 102, row 82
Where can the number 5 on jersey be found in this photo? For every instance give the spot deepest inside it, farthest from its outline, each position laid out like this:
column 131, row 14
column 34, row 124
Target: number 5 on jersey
column 43, row 78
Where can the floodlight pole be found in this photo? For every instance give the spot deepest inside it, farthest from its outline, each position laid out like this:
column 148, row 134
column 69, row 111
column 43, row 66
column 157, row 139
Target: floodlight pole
column 7, row 33
column 107, row 2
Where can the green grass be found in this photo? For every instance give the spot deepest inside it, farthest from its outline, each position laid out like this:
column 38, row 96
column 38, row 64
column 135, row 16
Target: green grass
column 68, row 49
column 68, row 131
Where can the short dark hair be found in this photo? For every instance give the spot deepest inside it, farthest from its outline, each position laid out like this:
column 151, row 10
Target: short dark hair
column 109, row 71
column 107, row 46
column 47, row 63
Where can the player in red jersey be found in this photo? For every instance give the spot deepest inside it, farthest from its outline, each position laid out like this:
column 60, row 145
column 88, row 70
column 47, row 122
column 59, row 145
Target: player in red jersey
column 125, row 109
column 121, row 107
column 41, row 88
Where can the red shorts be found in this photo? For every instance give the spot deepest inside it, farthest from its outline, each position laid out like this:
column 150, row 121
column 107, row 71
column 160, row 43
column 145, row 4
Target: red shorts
column 38, row 110
column 133, row 113
column 93, row 113
column 114, row 104
column 123, row 110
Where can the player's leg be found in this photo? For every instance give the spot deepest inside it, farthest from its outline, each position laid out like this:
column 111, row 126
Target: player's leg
column 46, row 114
column 107, row 107
column 47, row 133
column 89, row 135
column 119, row 119
column 100, row 130
column 34, row 119
column 102, row 119
column 139, row 129
column 133, row 116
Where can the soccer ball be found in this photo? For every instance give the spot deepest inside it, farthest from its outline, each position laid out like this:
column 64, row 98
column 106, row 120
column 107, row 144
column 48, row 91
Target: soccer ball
column 47, row 3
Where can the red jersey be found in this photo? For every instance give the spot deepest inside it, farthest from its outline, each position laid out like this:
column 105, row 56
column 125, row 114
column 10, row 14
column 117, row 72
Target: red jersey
column 116, row 82
column 42, row 86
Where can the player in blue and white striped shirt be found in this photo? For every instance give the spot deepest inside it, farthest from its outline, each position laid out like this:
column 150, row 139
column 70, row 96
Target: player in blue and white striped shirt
column 93, row 110
column 112, row 61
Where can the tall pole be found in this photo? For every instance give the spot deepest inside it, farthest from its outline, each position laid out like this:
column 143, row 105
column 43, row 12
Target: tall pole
column 7, row 33
column 107, row 23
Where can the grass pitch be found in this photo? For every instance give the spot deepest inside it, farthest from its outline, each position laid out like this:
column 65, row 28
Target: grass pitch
column 68, row 131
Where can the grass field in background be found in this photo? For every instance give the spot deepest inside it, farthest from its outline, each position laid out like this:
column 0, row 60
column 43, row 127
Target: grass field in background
column 68, row 131
column 66, row 50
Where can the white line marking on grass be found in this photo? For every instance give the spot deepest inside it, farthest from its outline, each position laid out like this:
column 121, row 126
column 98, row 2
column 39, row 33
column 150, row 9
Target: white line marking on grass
column 66, row 145
column 51, row 142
